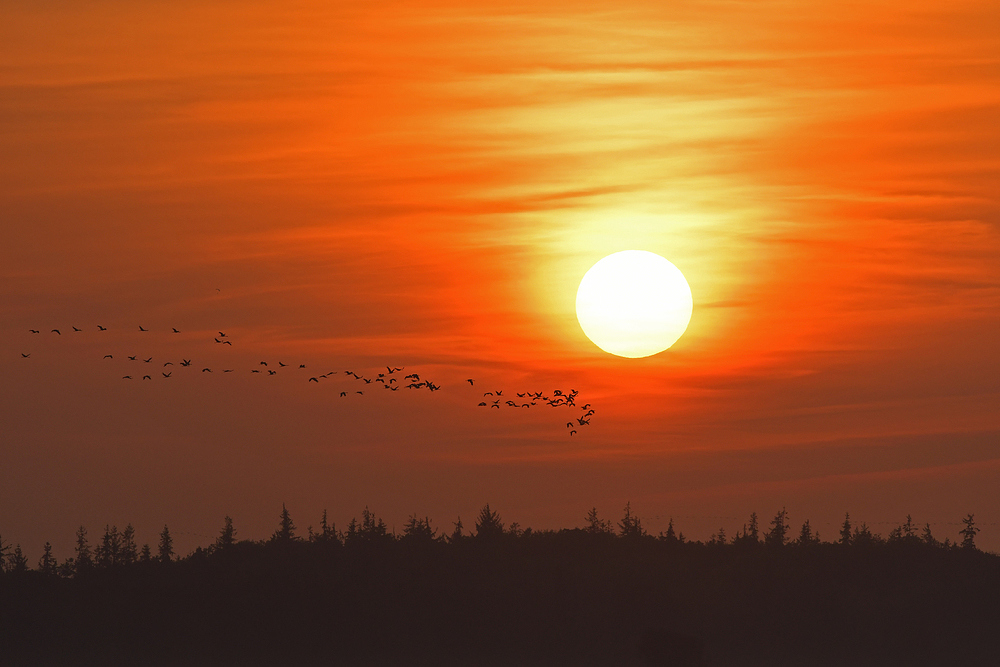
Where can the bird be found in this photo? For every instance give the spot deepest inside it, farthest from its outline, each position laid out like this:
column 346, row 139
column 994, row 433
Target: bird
column 483, row 404
column 496, row 404
column 127, row 377
column 499, row 392
column 255, row 371
column 569, row 424
column 102, row 328
column 185, row 362
column 131, row 358
column 302, row 365
column 148, row 360
column 572, row 432
column 367, row 381
column 57, row 331
column 206, row 370
column 141, row 329
column 360, row 392
column 217, row 340
column 393, row 370
column 314, row 380
column 33, row 330
column 471, row 382
column 343, row 393
column 26, row 355
column 272, row 372
column 586, row 407
column 227, row 370
column 487, row 393
column 263, row 363
column 227, row 342
column 281, row 364
column 175, row 330
column 146, row 377
column 169, row 363
column 75, row 329
column 166, row 375
column 222, row 335
column 582, row 421
column 108, row 356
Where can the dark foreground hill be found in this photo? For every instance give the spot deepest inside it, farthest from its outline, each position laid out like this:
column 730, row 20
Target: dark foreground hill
column 571, row 597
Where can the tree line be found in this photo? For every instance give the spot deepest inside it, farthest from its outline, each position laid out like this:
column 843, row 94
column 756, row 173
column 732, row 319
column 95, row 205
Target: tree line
column 118, row 548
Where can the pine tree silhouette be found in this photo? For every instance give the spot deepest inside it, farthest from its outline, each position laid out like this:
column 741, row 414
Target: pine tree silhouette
column 165, row 551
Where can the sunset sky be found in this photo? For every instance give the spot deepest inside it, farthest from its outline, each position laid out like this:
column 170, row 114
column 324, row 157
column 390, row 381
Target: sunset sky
column 423, row 185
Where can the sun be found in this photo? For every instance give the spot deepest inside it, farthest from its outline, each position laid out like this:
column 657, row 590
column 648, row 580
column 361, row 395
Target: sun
column 634, row 304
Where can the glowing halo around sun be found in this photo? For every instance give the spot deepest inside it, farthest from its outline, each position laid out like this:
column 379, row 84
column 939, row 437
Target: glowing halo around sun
column 634, row 304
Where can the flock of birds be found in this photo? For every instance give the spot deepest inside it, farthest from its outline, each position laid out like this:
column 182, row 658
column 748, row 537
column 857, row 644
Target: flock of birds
column 390, row 380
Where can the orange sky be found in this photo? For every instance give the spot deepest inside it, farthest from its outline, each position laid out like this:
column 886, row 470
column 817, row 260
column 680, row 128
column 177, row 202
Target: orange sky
column 349, row 186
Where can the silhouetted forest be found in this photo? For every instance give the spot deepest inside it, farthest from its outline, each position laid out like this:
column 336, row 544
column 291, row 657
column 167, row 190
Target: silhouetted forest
column 606, row 594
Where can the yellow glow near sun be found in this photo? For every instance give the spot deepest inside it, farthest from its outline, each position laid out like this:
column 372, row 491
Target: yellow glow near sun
column 634, row 303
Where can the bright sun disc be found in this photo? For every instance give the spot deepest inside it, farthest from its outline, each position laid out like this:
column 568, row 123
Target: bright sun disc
column 634, row 303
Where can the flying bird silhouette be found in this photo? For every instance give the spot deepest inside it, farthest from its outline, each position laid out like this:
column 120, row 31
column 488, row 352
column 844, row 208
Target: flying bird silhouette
column 141, row 329
column 343, row 393
column 272, row 372
column 146, row 377
column 75, row 329
column 206, row 370
column 175, row 330
column 148, row 360
column 127, row 377
column 166, row 375
column 102, row 328
column 131, row 358
column 185, row 362
column 33, row 330
column 314, row 380
column 57, row 331
column 169, row 363
column 108, row 356
column 471, row 382
column 25, row 355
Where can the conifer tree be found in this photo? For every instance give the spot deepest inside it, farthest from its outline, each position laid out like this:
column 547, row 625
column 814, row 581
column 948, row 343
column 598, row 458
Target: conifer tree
column 752, row 530
column 845, row 529
column 129, row 553
column 145, row 554
column 631, row 525
column 927, row 537
column 47, row 564
column 18, row 561
column 373, row 528
column 165, row 551
column 227, row 537
column 969, row 533
column 488, row 525
column 286, row 528
column 456, row 533
column 598, row 526
column 327, row 532
column 670, row 535
column 777, row 536
column 84, row 561
column 806, row 535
